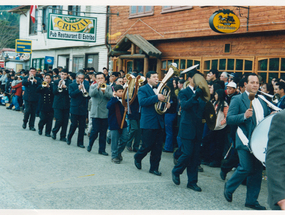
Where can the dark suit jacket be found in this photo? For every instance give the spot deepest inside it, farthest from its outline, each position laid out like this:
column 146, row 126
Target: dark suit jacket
column 150, row 119
column 78, row 103
column 112, row 116
column 275, row 160
column 191, row 125
column 239, row 104
column 46, row 98
column 30, row 89
column 61, row 100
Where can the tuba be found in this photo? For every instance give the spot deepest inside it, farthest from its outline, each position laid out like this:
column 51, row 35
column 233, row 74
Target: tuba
column 160, row 106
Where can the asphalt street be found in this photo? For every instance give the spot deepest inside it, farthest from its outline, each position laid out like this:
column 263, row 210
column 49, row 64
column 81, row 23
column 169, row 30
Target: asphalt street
column 37, row 172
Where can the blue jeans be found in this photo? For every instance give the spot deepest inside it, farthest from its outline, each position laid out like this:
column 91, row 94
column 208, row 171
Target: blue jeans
column 15, row 102
column 117, row 147
column 168, row 120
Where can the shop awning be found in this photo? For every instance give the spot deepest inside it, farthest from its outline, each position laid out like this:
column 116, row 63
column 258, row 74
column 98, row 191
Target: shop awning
column 124, row 45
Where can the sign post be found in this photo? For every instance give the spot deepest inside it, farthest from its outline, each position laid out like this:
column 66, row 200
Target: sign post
column 23, row 46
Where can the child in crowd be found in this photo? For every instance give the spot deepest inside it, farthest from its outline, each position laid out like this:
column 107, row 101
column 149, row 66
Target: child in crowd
column 4, row 99
column 119, row 137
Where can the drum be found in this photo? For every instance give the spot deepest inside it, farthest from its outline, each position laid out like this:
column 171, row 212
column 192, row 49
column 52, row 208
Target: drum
column 259, row 139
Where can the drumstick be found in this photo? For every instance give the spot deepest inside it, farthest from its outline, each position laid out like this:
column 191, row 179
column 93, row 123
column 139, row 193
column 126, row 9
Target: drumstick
column 251, row 97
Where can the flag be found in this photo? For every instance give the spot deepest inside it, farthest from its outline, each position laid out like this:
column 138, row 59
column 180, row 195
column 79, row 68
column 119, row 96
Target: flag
column 33, row 13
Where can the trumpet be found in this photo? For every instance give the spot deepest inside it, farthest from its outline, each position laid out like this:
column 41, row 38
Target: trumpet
column 83, row 90
column 60, row 83
column 32, row 78
column 274, row 98
column 44, row 84
column 103, row 86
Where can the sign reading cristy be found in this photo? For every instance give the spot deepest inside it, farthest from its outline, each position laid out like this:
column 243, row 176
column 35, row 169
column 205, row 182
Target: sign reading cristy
column 75, row 28
column 224, row 21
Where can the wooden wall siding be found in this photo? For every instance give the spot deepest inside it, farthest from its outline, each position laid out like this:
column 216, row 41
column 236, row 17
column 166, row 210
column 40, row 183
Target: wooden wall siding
column 240, row 46
column 191, row 23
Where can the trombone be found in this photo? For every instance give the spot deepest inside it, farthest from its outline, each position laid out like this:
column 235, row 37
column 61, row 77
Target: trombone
column 83, row 90
column 274, row 98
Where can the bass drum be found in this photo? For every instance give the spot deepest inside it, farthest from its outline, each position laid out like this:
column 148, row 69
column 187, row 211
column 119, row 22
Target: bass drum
column 259, row 139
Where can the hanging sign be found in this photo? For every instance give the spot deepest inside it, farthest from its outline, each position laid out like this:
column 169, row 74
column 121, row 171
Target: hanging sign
column 75, row 28
column 224, row 21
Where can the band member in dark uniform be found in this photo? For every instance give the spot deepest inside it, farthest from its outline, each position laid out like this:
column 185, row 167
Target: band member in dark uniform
column 46, row 110
column 151, row 124
column 190, row 132
column 61, row 105
column 78, row 92
column 31, row 98
column 246, row 119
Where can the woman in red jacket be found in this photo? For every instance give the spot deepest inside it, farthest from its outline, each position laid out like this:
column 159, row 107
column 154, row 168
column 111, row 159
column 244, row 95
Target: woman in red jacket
column 17, row 88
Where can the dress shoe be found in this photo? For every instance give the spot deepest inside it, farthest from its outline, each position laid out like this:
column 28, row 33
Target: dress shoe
column 48, row 135
column 53, row 136
column 200, row 169
column 16, row 110
column 32, row 129
column 228, row 196
column 89, row 148
column 63, row 139
column 255, row 207
column 68, row 142
column 40, row 132
column 120, row 157
column 103, row 153
column 138, row 164
column 194, row 187
column 223, row 175
column 116, row 160
column 24, row 126
column 155, row 172
column 81, row 146
column 175, row 179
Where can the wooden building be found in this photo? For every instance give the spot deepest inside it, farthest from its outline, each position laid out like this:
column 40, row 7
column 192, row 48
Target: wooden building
column 182, row 34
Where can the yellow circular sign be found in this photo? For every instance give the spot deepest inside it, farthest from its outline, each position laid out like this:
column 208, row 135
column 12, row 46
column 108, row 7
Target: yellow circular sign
column 224, row 21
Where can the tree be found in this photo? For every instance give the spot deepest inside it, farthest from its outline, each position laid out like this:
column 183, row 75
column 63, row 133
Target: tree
column 8, row 34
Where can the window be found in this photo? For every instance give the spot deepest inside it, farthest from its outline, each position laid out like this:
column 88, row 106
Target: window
column 38, row 63
column 237, row 65
column 138, row 11
column 167, row 9
column 33, row 28
column 227, row 48
column 270, row 68
column 182, row 64
column 74, row 10
column 77, row 63
column 57, row 9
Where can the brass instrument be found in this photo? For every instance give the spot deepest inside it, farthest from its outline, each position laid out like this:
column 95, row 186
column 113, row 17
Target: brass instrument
column 274, row 98
column 141, row 81
column 269, row 104
column 32, row 78
column 44, row 84
column 160, row 106
column 186, row 83
column 103, row 86
column 83, row 90
column 60, row 83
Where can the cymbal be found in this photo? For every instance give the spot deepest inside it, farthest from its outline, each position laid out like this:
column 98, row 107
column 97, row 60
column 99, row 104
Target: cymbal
column 209, row 115
column 201, row 82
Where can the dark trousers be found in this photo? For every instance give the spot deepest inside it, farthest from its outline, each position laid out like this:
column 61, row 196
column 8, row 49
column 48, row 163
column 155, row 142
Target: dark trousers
column 249, row 168
column 152, row 140
column 77, row 120
column 189, row 159
column 30, row 113
column 46, row 119
column 61, row 121
column 135, row 134
column 99, row 126
column 231, row 161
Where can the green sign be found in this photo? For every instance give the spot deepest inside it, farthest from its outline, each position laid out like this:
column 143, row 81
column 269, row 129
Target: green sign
column 75, row 28
column 23, row 46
